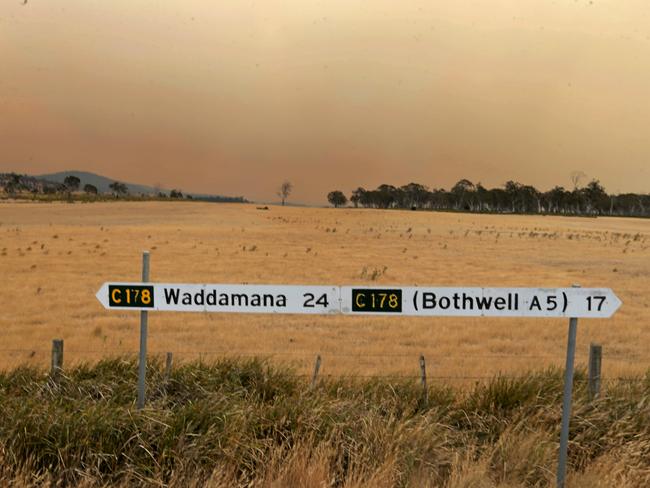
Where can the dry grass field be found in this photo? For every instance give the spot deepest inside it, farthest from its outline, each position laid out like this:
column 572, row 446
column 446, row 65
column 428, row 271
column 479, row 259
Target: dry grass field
column 55, row 256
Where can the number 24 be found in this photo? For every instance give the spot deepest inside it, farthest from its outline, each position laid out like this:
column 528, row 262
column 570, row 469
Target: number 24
column 310, row 303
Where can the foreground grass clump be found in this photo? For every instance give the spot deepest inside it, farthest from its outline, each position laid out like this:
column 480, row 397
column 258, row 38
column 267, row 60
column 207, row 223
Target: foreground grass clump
column 247, row 423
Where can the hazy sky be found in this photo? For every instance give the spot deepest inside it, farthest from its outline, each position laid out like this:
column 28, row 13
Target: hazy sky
column 231, row 97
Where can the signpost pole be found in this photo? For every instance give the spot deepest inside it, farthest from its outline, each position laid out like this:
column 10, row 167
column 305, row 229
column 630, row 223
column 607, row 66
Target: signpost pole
column 142, row 368
column 566, row 402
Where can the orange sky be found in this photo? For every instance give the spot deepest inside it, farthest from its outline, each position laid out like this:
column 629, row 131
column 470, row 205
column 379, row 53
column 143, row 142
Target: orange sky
column 232, row 97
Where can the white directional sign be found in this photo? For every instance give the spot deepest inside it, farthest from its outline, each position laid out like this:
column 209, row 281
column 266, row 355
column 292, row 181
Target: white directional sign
column 220, row 298
column 477, row 302
column 361, row 300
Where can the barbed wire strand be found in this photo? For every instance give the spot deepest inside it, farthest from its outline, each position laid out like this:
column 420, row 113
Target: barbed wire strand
column 114, row 352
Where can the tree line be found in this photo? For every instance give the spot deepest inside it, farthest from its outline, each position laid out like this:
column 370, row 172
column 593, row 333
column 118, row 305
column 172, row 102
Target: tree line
column 513, row 197
column 22, row 186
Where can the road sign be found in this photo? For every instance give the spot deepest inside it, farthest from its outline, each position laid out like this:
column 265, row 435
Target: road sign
column 480, row 302
column 163, row 297
column 361, row 300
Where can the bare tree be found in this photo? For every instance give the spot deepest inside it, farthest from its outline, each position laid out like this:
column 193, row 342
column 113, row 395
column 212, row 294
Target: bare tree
column 285, row 190
column 576, row 177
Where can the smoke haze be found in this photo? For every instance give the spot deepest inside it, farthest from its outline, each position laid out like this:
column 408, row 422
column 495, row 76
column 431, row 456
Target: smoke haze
column 233, row 97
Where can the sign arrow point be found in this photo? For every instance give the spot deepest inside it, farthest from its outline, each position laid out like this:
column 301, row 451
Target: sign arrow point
column 616, row 302
column 102, row 295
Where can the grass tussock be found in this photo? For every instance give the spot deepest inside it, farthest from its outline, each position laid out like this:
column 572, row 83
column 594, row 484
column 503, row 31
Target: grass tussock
column 248, row 423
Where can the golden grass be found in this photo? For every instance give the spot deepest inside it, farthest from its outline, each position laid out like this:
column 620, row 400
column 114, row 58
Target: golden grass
column 249, row 423
column 55, row 256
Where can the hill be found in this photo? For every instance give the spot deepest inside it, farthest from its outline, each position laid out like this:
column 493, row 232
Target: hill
column 101, row 182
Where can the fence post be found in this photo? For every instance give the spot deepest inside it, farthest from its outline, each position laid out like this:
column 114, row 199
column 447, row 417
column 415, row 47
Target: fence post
column 595, row 360
column 142, row 367
column 316, row 370
column 423, row 379
column 168, row 365
column 57, row 358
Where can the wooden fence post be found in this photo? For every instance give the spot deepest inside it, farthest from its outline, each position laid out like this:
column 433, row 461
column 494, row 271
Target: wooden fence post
column 57, row 358
column 168, row 365
column 316, row 370
column 595, row 360
column 423, row 379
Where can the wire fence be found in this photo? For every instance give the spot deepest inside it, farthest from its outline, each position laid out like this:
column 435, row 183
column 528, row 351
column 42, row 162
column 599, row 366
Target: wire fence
column 373, row 361
column 311, row 353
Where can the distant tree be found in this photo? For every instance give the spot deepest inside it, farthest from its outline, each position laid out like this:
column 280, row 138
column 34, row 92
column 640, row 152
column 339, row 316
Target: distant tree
column 118, row 188
column 462, row 186
column 90, row 189
column 461, row 191
column 530, row 199
column 357, row 196
column 13, row 184
column 384, row 196
column 414, row 195
column 72, row 183
column 285, row 190
column 337, row 198
column 576, row 177
column 482, row 197
column 596, row 197
column 176, row 194
column 556, row 199
column 513, row 189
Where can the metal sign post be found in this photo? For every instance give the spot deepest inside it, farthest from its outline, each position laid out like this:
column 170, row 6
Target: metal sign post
column 142, row 367
column 566, row 401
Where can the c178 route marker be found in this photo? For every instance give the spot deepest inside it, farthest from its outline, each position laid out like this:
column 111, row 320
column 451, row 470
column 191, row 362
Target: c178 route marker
column 361, row 300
